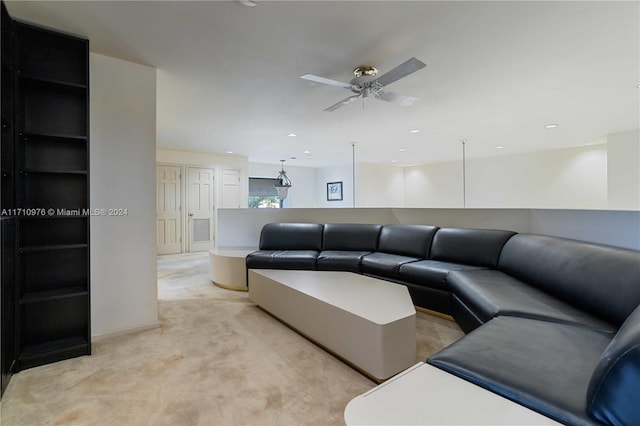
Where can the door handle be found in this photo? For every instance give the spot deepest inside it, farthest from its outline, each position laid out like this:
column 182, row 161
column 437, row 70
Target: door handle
column 190, row 214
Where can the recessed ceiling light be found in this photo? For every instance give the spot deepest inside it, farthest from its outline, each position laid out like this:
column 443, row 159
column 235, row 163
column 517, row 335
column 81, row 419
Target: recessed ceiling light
column 550, row 126
column 499, row 147
column 638, row 86
column 307, row 152
column 590, row 143
column 402, row 149
column 292, row 135
column 229, row 152
column 394, row 161
column 414, row 131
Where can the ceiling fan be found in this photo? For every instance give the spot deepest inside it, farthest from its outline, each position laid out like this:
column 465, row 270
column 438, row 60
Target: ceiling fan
column 367, row 84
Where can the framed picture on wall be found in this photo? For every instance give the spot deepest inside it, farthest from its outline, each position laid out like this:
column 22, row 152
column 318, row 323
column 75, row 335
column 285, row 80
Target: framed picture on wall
column 334, row 191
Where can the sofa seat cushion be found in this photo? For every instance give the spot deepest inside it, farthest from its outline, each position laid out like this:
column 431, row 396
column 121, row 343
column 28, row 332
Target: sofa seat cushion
column 282, row 259
column 431, row 273
column 490, row 293
column 384, row 264
column 340, row 260
column 542, row 365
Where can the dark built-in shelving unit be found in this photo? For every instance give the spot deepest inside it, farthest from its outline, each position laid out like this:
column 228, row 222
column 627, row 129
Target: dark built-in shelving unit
column 47, row 175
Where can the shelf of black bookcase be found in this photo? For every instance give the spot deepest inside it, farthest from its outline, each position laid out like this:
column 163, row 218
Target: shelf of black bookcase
column 53, row 172
column 53, row 350
column 80, row 138
column 45, row 296
column 53, row 82
column 53, row 345
column 32, row 249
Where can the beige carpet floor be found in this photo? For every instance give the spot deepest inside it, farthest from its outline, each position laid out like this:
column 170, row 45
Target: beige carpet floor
column 217, row 359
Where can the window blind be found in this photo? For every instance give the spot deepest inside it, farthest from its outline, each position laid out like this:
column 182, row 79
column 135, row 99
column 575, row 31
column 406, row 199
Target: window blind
column 262, row 187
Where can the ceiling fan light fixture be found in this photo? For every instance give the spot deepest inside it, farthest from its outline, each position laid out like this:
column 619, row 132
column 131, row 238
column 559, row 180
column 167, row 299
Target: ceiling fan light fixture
column 365, row 70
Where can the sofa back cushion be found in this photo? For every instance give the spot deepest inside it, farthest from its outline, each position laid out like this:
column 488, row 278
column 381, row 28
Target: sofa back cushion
column 291, row 236
column 602, row 280
column 479, row 247
column 407, row 240
column 350, row 236
column 613, row 396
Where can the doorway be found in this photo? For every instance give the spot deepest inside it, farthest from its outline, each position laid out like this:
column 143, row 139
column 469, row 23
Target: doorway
column 168, row 209
column 200, row 208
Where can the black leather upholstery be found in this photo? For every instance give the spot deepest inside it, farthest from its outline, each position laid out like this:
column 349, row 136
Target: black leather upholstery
column 465, row 317
column 431, row 273
column 282, row 259
column 340, row 260
column 542, row 365
column 344, row 245
column 479, row 247
column 594, row 278
column 291, row 236
column 384, row 264
column 350, row 236
column 490, row 293
column 407, row 240
column 614, row 391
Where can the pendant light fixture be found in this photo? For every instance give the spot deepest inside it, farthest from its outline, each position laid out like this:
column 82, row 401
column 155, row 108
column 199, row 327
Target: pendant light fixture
column 283, row 183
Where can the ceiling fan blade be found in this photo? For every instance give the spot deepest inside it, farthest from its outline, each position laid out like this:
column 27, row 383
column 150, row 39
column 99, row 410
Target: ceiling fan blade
column 328, row 81
column 342, row 103
column 397, row 98
column 404, row 69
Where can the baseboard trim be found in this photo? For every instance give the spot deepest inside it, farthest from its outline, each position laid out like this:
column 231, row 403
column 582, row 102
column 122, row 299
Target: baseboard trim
column 125, row 331
column 434, row 313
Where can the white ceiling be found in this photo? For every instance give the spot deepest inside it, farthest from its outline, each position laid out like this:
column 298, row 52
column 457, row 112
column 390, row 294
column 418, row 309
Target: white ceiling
column 497, row 73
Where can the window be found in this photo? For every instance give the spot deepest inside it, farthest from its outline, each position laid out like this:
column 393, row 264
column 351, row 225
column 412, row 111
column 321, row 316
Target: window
column 263, row 194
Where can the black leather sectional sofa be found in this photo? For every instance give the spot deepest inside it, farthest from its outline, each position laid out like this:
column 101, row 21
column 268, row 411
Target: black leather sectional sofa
column 552, row 323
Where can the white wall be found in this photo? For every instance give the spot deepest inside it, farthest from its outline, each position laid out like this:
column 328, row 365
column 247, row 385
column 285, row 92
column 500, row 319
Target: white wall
column 303, row 191
column 379, row 185
column 241, row 227
column 574, row 178
column 434, row 185
column 122, row 175
column 623, row 170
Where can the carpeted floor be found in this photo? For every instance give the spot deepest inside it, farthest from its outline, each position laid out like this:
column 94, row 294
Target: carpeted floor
column 217, row 359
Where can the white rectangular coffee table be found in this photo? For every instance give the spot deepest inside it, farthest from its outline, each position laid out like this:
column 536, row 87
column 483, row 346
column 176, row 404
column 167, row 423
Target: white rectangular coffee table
column 369, row 323
column 426, row 395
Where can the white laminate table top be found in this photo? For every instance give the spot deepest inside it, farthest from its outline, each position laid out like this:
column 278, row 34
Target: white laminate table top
column 426, row 395
column 377, row 301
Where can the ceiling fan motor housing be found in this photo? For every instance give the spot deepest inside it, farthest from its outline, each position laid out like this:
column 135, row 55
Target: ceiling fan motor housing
column 365, row 82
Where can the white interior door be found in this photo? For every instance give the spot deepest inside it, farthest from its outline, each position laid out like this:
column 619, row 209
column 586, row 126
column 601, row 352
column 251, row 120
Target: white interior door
column 200, row 201
column 168, row 209
column 230, row 198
